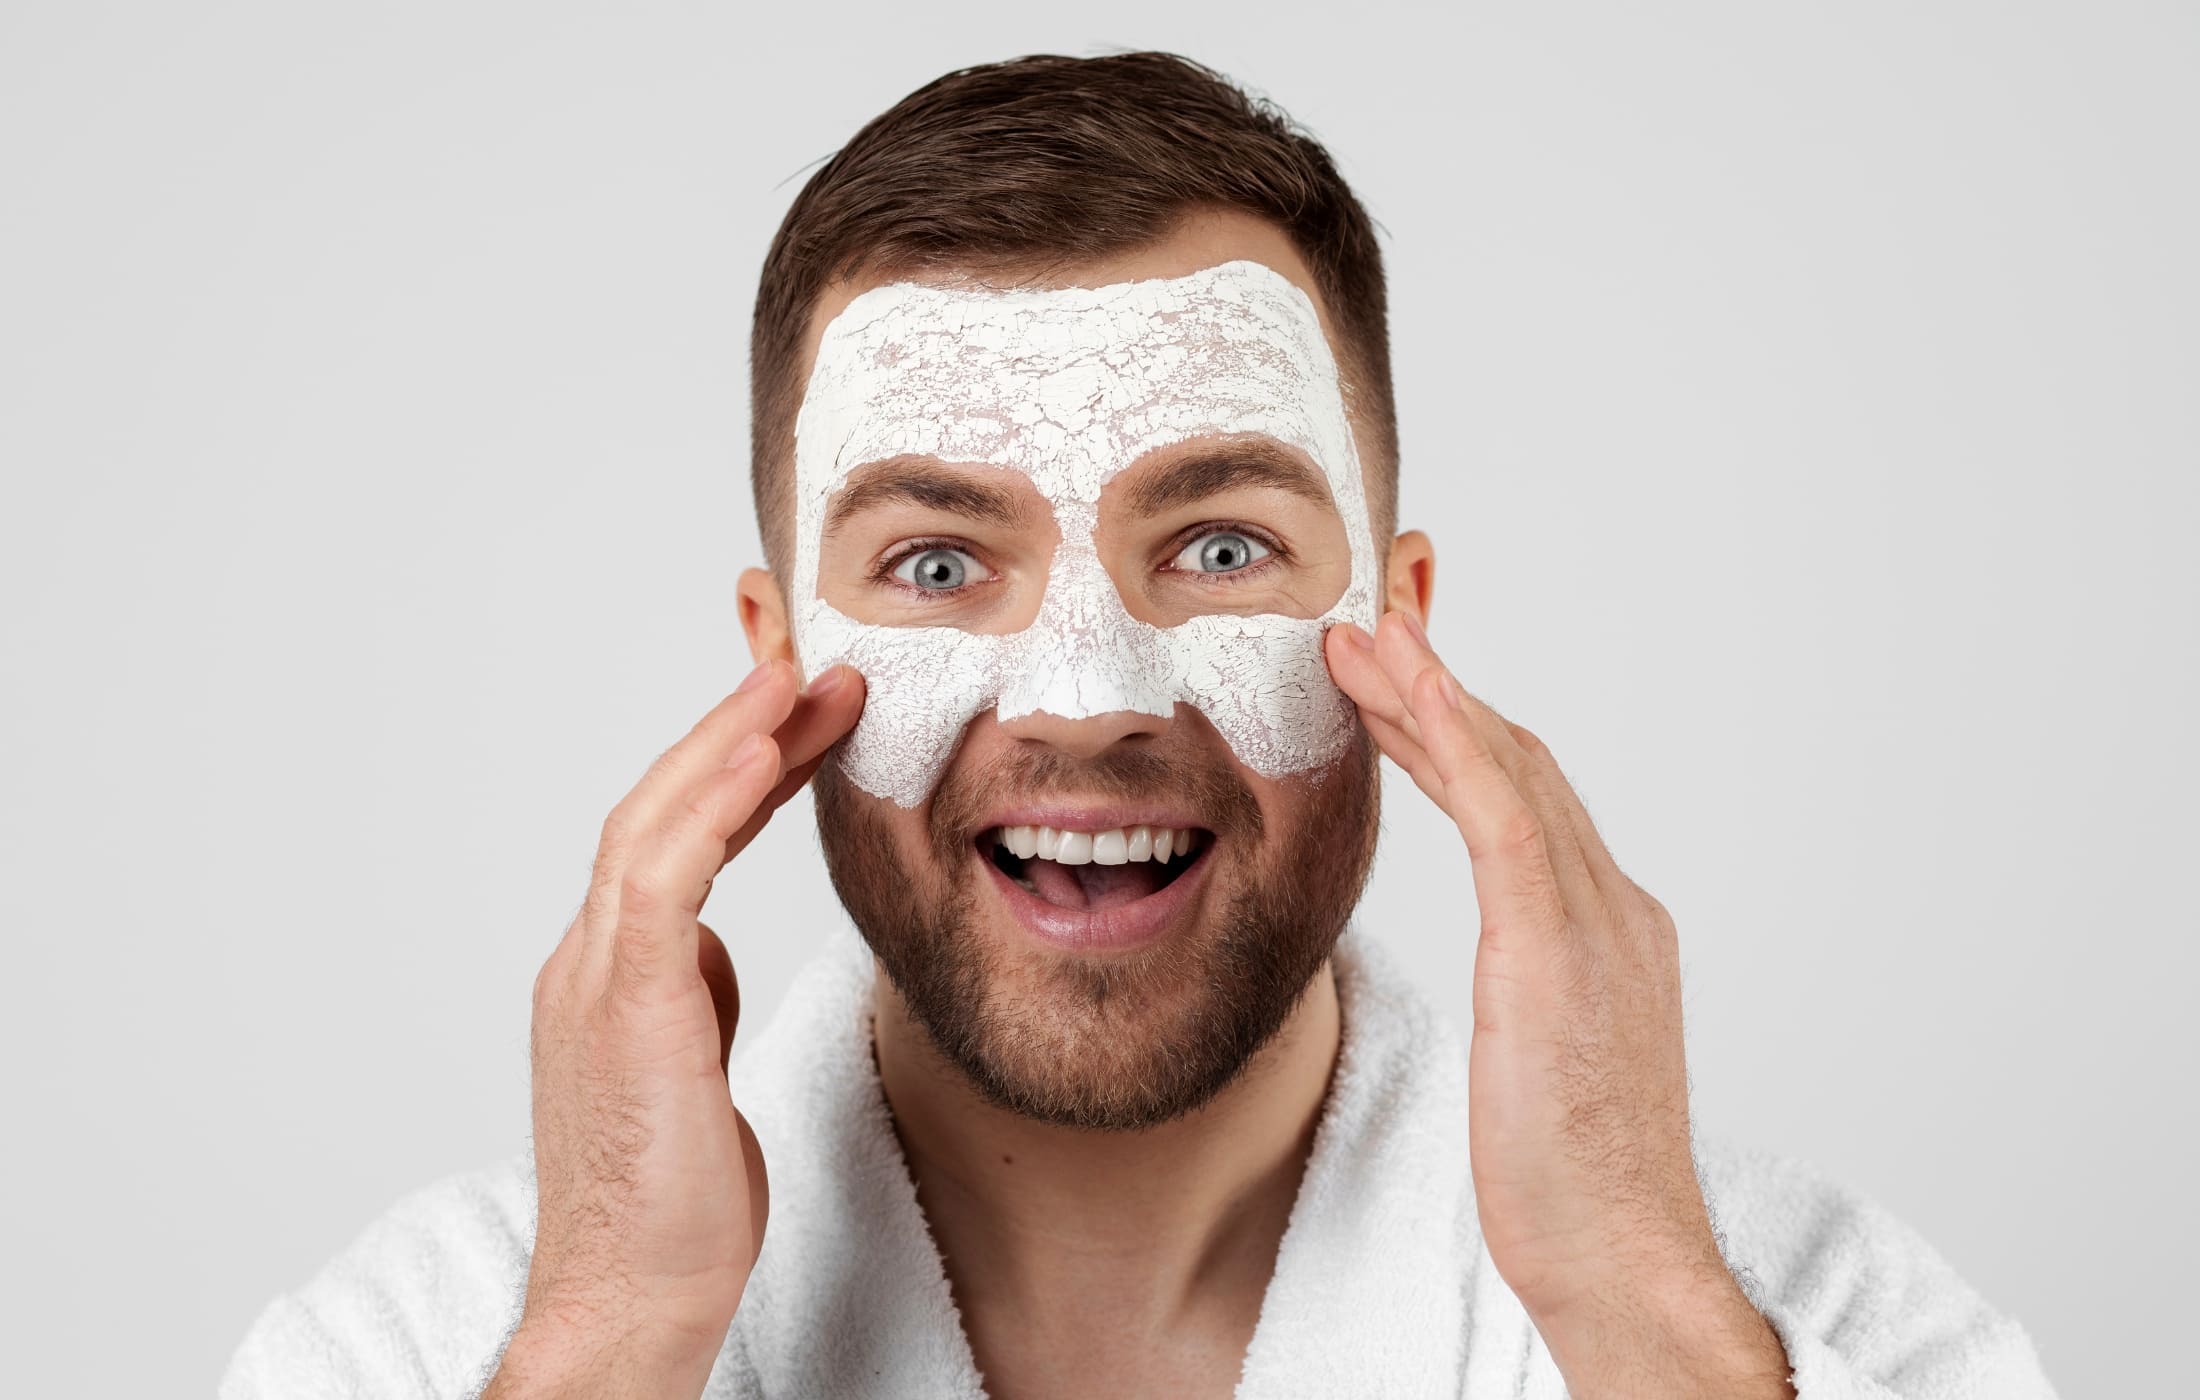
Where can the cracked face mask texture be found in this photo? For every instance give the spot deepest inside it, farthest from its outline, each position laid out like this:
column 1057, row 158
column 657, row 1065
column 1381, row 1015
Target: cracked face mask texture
column 1070, row 386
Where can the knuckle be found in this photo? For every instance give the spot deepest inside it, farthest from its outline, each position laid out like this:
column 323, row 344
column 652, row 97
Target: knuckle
column 618, row 830
column 1427, row 690
column 701, row 804
column 545, row 981
column 633, row 960
column 666, row 759
column 601, row 902
column 639, row 899
column 556, row 971
column 1521, row 831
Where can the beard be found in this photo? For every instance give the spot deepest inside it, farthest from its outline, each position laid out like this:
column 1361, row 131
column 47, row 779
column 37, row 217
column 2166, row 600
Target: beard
column 1136, row 1039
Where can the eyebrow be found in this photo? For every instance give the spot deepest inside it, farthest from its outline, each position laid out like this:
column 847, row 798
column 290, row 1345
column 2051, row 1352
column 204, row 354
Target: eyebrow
column 1212, row 472
column 926, row 484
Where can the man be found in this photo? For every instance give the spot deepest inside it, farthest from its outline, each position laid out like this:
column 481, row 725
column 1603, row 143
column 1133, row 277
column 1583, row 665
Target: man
column 1075, row 462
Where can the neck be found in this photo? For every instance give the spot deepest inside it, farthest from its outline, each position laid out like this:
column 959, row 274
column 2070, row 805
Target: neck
column 1054, row 1230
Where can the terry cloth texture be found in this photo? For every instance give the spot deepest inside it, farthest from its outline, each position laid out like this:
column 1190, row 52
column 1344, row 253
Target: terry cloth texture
column 1381, row 1287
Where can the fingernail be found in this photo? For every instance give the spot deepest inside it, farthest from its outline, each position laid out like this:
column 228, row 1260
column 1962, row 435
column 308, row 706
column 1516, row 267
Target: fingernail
column 747, row 752
column 1357, row 635
column 1413, row 626
column 754, row 678
column 832, row 680
column 1452, row 694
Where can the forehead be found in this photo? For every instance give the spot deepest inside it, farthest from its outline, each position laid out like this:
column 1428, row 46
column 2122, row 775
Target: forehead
column 1070, row 384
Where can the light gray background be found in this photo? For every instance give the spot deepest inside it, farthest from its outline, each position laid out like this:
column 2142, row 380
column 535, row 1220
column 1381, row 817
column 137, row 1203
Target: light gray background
column 1801, row 398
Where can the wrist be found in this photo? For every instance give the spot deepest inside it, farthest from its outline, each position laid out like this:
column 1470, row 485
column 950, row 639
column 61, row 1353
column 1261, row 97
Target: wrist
column 555, row 1359
column 1693, row 1334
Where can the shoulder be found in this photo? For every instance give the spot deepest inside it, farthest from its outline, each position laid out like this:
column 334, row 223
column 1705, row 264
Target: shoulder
column 1856, row 1292
column 419, row 1303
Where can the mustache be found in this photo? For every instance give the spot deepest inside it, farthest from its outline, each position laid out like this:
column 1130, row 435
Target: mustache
column 1216, row 794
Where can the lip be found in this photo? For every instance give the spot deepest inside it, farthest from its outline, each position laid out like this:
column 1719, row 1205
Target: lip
column 1124, row 927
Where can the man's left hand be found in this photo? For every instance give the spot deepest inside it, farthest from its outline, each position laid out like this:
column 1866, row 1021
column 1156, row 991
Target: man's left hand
column 1584, row 1174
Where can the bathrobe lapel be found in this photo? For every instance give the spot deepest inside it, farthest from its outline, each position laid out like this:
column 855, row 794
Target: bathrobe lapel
column 1381, row 1286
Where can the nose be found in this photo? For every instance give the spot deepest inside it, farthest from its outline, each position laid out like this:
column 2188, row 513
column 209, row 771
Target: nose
column 1088, row 736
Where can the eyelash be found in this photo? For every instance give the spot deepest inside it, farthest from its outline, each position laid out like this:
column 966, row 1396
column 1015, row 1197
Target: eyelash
column 1276, row 552
column 882, row 572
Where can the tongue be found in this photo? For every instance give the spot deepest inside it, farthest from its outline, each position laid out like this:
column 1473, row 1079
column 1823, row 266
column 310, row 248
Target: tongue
column 1092, row 886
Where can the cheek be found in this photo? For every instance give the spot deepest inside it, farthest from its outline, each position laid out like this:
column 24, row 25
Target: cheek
column 880, row 856
column 923, row 687
column 1264, row 684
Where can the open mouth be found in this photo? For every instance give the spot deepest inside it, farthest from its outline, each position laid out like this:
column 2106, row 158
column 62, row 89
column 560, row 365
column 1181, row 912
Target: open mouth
column 1094, row 870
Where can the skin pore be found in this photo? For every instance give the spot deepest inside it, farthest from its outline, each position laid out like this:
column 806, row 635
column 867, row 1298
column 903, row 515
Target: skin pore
column 1131, row 1259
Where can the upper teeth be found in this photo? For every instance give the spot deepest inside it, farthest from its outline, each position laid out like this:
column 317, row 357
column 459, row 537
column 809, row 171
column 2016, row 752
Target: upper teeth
column 1112, row 847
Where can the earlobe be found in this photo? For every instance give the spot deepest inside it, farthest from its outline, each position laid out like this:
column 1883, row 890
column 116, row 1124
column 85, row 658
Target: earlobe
column 1409, row 584
column 764, row 617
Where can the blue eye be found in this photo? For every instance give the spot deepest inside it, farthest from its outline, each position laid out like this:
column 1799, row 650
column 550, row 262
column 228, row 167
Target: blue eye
column 938, row 570
column 1222, row 552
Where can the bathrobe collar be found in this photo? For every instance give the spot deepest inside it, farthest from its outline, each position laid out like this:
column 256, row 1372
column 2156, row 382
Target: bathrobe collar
column 1378, row 1281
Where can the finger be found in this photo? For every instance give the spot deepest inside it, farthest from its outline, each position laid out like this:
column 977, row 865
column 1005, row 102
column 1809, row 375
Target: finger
column 1566, row 798
column 760, row 1190
column 826, row 713
column 1350, row 653
column 716, row 966
column 1587, row 873
column 790, row 783
column 826, row 709
column 1404, row 652
column 652, row 941
column 1486, row 796
column 1361, row 675
column 759, row 705
column 1407, row 753
column 1515, row 882
column 1547, row 792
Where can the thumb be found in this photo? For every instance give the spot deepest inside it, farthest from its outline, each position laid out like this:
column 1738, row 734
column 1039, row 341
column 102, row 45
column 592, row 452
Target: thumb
column 716, row 965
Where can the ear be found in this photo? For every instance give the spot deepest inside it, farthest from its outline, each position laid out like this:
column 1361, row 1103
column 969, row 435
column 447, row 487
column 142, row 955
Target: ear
column 764, row 618
column 1410, row 579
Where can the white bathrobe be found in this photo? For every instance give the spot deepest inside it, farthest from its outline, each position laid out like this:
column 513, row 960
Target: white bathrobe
column 1381, row 1288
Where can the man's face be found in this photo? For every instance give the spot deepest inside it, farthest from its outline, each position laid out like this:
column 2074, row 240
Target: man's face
column 1105, row 815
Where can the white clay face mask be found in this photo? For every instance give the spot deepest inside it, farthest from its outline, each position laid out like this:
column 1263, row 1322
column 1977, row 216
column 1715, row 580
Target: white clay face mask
column 1069, row 386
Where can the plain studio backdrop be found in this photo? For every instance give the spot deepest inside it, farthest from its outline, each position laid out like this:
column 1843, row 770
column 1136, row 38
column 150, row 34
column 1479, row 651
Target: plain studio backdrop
column 1801, row 398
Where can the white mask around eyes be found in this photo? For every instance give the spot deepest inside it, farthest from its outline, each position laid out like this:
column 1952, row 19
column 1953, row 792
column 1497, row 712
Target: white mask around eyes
column 1070, row 386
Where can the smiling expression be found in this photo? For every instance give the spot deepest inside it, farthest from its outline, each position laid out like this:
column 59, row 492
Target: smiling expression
column 1105, row 814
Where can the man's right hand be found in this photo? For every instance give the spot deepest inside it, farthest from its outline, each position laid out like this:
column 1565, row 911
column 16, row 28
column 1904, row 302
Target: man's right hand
column 650, row 1188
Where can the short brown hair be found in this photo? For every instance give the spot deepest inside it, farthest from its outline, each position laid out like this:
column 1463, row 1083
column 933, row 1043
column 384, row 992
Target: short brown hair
column 1047, row 159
